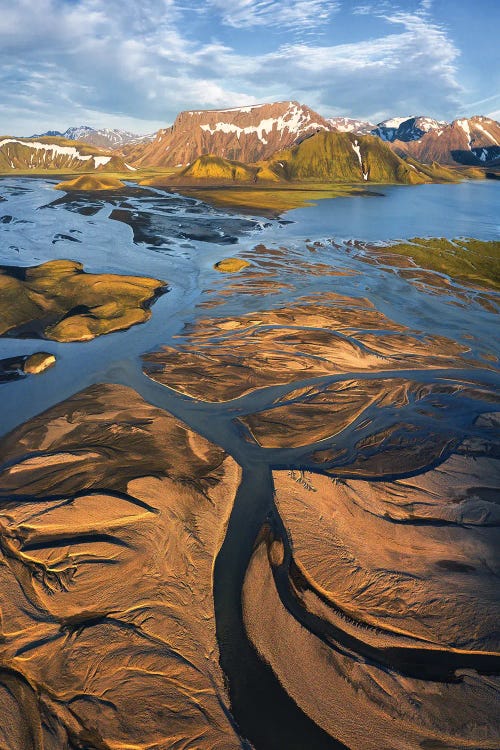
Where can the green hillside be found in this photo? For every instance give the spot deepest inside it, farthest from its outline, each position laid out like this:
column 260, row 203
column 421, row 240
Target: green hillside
column 344, row 157
column 219, row 169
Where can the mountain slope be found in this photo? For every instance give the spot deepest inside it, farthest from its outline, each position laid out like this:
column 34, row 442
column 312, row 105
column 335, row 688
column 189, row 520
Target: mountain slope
column 474, row 141
column 345, row 157
column 217, row 171
column 246, row 134
column 216, row 168
column 58, row 154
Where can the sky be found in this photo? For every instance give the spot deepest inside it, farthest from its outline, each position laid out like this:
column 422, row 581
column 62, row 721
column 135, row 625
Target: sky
column 135, row 65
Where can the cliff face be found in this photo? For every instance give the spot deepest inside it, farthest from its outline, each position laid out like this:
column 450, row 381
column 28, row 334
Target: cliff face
column 245, row 134
column 466, row 141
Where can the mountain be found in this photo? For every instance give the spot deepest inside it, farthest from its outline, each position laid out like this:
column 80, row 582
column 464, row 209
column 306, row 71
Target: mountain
column 345, row 157
column 58, row 154
column 324, row 157
column 387, row 129
column 348, row 125
column 246, row 134
column 472, row 141
column 110, row 138
column 406, row 128
column 48, row 134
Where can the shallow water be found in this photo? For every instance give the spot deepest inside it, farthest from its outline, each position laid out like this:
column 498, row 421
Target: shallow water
column 42, row 225
column 179, row 239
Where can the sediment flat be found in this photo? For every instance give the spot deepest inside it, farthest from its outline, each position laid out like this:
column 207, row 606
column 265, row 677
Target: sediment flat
column 112, row 515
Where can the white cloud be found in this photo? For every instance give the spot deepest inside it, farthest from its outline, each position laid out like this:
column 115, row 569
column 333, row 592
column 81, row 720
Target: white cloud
column 285, row 13
column 66, row 63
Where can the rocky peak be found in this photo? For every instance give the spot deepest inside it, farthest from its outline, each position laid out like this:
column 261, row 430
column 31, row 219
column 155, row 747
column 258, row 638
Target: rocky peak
column 350, row 125
column 406, row 128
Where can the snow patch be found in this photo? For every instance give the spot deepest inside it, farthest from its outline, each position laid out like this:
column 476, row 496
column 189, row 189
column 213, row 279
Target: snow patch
column 357, row 151
column 464, row 124
column 294, row 120
column 52, row 147
column 394, row 122
column 101, row 161
column 486, row 133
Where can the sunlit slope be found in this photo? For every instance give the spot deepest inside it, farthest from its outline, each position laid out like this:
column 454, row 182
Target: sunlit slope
column 91, row 183
column 57, row 154
column 345, row 157
column 217, row 168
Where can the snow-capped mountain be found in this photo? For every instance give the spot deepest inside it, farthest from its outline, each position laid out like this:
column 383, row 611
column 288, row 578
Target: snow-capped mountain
column 406, row 128
column 349, row 125
column 396, row 128
column 387, row 129
column 254, row 133
column 242, row 133
column 473, row 140
column 414, row 128
column 110, row 138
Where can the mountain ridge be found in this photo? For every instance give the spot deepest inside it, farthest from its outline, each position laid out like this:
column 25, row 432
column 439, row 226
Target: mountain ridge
column 253, row 133
column 58, row 154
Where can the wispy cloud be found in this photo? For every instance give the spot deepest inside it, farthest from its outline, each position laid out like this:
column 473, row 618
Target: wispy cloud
column 412, row 70
column 284, row 13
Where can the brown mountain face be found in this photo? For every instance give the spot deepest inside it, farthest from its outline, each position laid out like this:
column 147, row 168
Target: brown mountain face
column 466, row 141
column 245, row 134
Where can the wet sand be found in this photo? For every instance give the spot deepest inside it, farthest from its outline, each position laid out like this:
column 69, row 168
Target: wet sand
column 113, row 514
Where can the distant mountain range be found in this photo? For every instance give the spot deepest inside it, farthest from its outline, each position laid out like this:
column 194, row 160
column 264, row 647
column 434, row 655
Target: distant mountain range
column 109, row 138
column 255, row 134
column 348, row 125
column 472, row 141
column 469, row 141
column 406, row 128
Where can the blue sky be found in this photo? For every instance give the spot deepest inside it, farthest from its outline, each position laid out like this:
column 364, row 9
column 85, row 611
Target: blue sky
column 122, row 63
